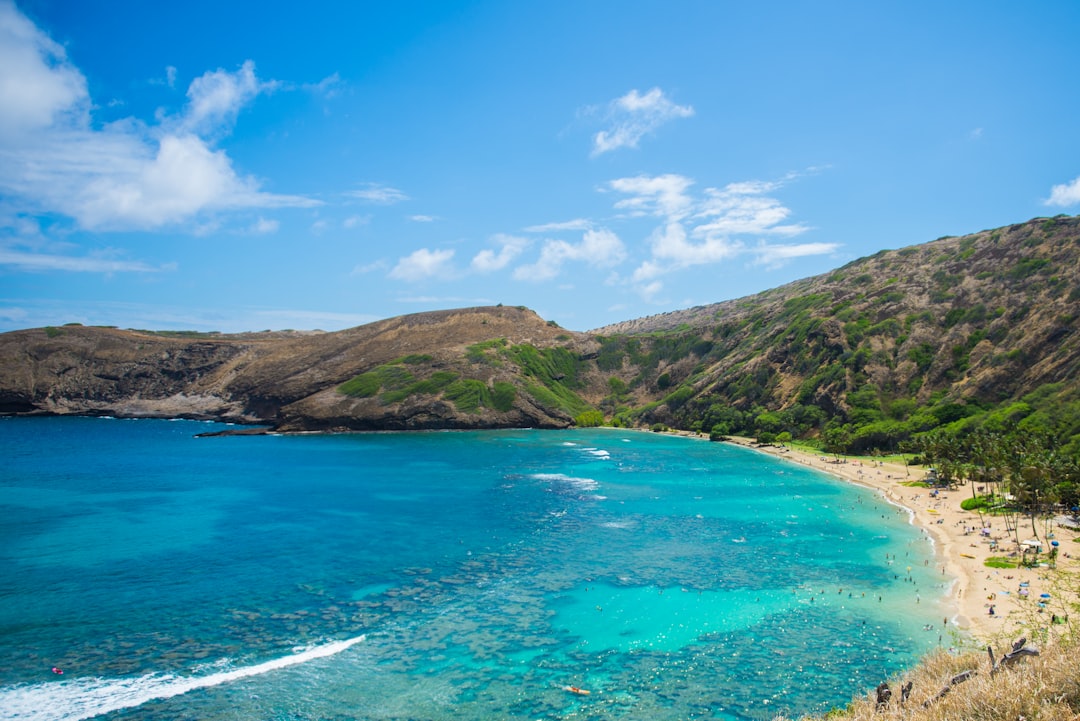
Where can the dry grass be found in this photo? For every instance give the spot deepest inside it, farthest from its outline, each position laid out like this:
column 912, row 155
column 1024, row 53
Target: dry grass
column 1036, row 688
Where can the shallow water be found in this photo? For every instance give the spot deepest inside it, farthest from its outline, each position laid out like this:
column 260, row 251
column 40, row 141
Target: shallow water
column 440, row 576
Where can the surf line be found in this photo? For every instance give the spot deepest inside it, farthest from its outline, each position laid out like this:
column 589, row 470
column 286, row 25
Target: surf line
column 84, row 698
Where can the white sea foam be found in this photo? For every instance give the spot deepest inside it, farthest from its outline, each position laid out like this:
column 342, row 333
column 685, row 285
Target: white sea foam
column 598, row 452
column 581, row 484
column 84, row 698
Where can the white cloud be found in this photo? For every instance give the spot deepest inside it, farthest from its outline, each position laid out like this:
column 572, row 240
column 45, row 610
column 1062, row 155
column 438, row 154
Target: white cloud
column 663, row 195
column 37, row 83
column 1065, row 195
column 487, row 260
column 633, row 116
column 649, row 291
column 741, row 208
column 126, row 175
column 423, row 218
column 215, row 99
column 774, row 256
column 709, row 229
column 380, row 194
column 183, row 178
column 598, row 248
column 422, row 264
column 672, row 250
column 576, row 224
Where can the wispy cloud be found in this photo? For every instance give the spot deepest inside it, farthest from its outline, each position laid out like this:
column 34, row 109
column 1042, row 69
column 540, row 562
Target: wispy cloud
column 744, row 209
column 328, row 87
column 39, row 262
column 308, row 319
column 576, row 224
column 378, row 194
column 355, row 221
column 37, row 312
column 633, row 116
column 169, row 78
column 662, row 195
column 125, row 175
column 1065, row 195
column 377, row 265
column 423, row 218
column 712, row 227
column 431, row 300
column 774, row 256
column 263, row 226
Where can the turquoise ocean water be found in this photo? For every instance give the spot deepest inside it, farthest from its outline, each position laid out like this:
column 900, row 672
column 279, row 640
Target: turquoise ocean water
column 441, row 576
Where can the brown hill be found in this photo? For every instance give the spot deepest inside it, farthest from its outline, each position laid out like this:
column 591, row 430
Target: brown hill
column 287, row 380
column 902, row 341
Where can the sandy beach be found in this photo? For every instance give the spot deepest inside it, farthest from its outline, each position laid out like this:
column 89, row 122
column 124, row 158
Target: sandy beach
column 1016, row 595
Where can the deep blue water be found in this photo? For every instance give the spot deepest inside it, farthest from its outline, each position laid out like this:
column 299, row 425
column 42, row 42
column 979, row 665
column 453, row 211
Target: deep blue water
column 440, row 576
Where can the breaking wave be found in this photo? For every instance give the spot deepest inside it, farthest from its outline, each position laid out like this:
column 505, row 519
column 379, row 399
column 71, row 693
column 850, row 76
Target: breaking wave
column 84, row 698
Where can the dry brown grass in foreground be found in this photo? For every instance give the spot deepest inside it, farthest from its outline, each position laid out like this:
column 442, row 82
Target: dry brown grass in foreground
column 1035, row 688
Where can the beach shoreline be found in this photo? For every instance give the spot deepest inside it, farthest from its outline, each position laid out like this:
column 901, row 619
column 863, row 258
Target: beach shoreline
column 962, row 548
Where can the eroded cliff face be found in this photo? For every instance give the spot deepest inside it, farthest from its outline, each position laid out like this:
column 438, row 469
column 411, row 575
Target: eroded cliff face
column 287, row 381
column 98, row 371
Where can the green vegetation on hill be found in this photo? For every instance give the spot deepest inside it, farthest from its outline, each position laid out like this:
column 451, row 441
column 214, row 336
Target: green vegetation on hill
column 393, row 383
column 957, row 335
column 972, row 341
column 548, row 375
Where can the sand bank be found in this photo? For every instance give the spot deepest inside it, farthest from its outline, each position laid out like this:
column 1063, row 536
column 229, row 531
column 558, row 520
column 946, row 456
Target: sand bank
column 963, row 546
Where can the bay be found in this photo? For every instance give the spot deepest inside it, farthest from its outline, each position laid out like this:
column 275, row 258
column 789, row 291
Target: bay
column 464, row 575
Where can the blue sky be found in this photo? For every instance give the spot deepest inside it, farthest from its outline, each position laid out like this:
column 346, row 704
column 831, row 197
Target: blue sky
column 249, row 166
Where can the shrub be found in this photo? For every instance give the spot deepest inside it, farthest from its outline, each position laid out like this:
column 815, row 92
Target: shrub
column 503, row 395
column 589, row 419
column 975, row 504
column 364, row 385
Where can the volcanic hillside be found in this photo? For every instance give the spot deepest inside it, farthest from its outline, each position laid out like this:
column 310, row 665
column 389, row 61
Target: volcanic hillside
column 979, row 329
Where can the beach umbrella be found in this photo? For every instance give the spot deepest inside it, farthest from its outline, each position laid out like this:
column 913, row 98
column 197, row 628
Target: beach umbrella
column 1044, row 595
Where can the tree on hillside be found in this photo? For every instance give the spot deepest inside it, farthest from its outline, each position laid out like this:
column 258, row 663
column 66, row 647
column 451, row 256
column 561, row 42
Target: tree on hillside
column 837, row 440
